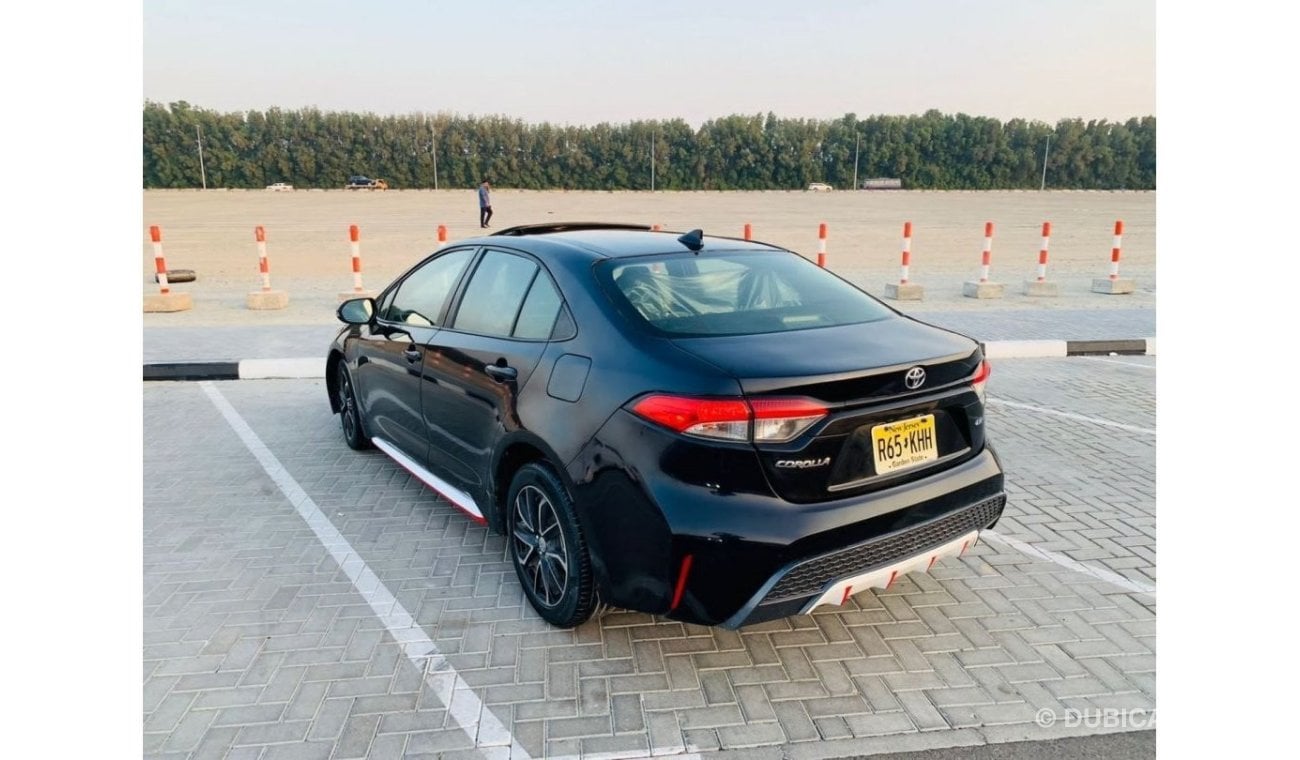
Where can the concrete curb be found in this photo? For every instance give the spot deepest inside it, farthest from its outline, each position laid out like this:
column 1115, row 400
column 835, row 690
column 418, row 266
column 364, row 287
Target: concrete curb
column 192, row 371
column 1046, row 349
column 313, row 368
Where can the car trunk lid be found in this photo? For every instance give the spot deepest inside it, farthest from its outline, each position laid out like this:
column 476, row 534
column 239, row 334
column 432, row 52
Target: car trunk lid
column 860, row 373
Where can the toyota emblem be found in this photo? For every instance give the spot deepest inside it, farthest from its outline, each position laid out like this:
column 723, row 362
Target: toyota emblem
column 914, row 378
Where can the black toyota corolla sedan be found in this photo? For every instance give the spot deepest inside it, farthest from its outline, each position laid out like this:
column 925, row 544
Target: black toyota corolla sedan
column 709, row 429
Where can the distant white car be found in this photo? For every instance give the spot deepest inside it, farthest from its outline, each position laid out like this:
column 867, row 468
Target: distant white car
column 820, row 187
column 280, row 187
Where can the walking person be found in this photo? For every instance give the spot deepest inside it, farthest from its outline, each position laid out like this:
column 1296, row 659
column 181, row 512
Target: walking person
column 484, row 204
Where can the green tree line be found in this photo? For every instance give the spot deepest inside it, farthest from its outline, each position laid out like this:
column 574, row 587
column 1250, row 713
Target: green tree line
column 312, row 148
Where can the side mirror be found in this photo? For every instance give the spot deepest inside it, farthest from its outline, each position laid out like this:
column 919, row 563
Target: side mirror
column 357, row 311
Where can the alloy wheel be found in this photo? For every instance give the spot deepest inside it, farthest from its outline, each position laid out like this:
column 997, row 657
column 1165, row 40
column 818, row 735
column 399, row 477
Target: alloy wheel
column 347, row 405
column 540, row 549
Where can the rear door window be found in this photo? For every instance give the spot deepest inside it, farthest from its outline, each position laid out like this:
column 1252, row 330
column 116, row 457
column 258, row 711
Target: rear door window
column 537, row 316
column 495, row 294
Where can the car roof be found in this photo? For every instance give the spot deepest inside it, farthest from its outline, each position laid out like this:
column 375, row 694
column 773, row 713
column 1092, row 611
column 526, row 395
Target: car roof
column 583, row 240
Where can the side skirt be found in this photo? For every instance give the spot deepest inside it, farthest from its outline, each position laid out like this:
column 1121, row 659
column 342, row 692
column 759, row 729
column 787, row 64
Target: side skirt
column 458, row 498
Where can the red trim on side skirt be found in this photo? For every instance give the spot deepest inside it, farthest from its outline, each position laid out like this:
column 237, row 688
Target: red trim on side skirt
column 445, row 497
column 681, row 581
column 473, row 517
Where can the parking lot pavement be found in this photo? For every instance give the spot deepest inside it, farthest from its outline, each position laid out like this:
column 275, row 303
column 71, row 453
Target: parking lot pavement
column 1083, row 485
column 267, row 635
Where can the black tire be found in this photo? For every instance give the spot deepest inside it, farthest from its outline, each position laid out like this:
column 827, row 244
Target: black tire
column 354, row 430
column 547, row 547
column 178, row 275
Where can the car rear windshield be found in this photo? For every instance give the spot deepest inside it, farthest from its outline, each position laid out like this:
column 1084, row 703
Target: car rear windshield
column 734, row 293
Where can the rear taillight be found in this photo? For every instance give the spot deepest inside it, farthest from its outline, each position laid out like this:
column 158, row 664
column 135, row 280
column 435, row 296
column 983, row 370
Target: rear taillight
column 980, row 378
column 777, row 420
column 765, row 420
column 727, row 419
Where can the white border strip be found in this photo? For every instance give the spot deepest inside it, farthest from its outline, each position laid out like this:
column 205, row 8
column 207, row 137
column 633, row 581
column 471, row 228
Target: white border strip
column 1064, row 561
column 463, row 705
column 1072, row 416
column 1151, row 346
column 261, row 369
column 637, row 754
column 1024, row 349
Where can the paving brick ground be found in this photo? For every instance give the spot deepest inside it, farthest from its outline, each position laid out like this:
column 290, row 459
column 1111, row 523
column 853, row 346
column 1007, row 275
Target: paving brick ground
column 258, row 645
column 1081, row 489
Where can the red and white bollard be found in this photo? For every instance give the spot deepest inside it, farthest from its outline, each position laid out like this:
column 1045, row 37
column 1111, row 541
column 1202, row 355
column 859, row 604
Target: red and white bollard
column 354, row 235
column 1113, row 285
column 821, row 245
column 904, row 290
column 1042, row 252
column 160, row 263
column 986, row 259
column 1040, row 286
column 907, row 253
column 749, row 231
column 164, row 300
column 263, row 266
column 983, row 288
column 1114, row 251
column 265, row 298
column 442, row 235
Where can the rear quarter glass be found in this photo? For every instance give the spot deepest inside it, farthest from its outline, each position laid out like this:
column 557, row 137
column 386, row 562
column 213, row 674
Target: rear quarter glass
column 736, row 293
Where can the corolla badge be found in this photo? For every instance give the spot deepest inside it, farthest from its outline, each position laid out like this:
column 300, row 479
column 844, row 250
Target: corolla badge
column 801, row 464
column 914, row 378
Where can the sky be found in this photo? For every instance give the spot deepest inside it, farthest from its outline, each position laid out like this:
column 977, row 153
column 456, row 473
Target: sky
column 582, row 62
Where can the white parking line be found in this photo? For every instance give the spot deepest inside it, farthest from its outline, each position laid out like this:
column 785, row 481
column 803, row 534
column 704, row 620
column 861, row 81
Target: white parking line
column 1072, row 416
column 1126, row 364
column 670, row 753
column 1064, row 561
column 463, row 705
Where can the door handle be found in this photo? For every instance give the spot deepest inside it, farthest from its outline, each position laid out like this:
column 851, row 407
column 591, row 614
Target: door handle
column 501, row 374
column 412, row 355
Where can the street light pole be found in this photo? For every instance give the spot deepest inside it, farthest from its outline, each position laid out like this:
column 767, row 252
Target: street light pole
column 203, row 174
column 1043, row 185
column 653, row 135
column 857, row 139
column 435, row 154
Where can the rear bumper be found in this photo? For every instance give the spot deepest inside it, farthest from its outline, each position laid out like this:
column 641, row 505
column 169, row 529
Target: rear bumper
column 694, row 532
column 830, row 579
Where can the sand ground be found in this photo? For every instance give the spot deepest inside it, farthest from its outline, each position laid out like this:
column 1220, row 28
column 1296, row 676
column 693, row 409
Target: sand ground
column 211, row 232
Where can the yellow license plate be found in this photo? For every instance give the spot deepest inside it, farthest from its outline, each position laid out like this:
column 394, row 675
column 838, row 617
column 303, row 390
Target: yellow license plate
column 903, row 444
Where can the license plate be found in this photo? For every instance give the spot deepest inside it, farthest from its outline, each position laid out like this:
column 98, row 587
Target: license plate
column 903, row 444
